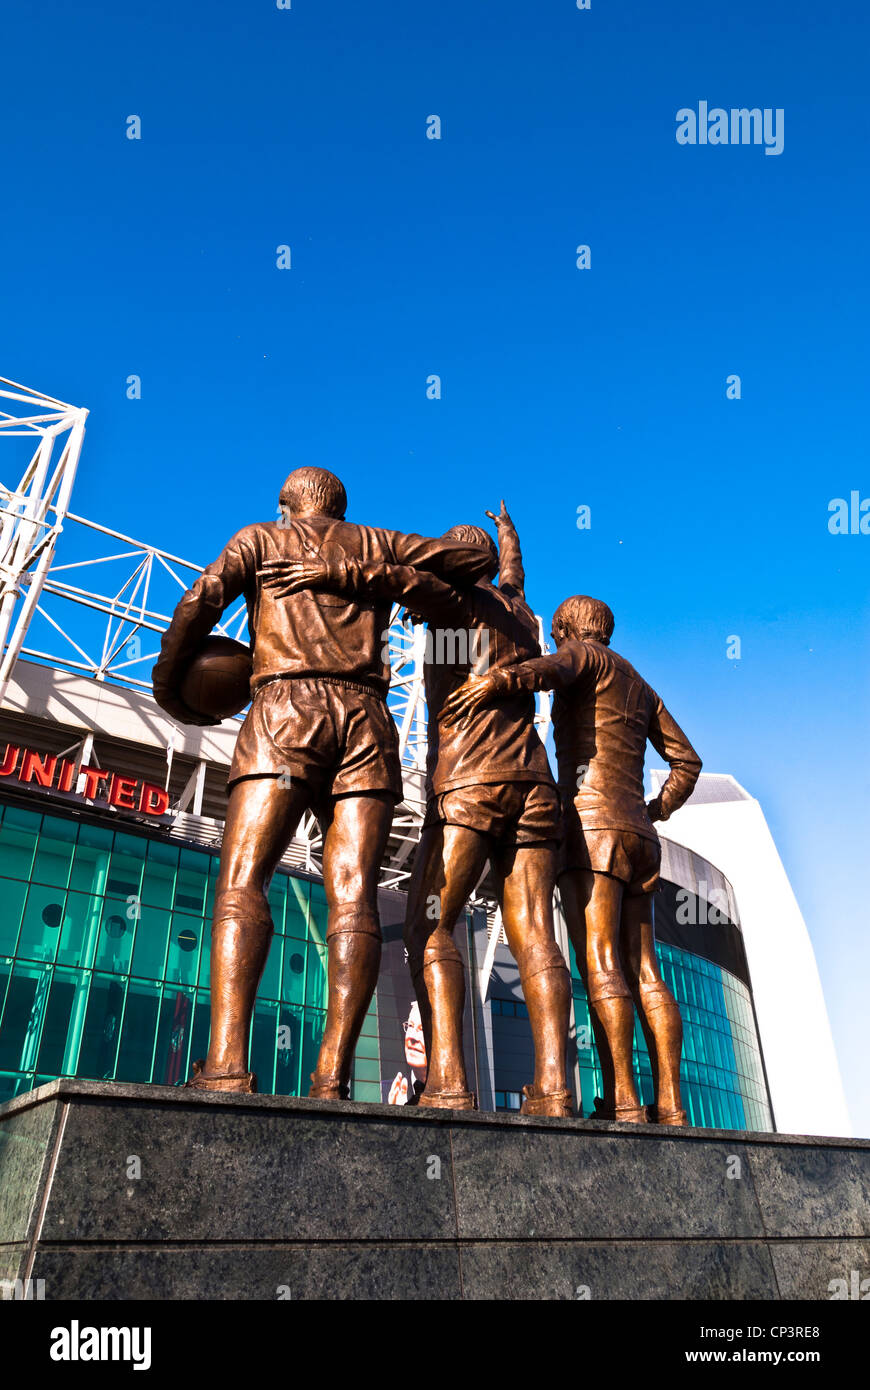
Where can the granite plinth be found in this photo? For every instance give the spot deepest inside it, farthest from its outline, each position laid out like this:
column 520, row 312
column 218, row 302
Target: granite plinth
column 116, row 1191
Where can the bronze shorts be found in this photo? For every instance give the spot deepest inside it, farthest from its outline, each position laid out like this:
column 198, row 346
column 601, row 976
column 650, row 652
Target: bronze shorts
column 623, row 854
column 339, row 739
column 514, row 813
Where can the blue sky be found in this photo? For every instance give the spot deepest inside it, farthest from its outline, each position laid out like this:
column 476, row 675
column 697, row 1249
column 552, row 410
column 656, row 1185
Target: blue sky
column 561, row 387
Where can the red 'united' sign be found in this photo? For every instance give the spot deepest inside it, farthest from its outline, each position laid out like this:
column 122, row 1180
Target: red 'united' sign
column 93, row 783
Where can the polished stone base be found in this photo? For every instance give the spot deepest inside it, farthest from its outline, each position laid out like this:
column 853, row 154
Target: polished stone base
column 114, row 1191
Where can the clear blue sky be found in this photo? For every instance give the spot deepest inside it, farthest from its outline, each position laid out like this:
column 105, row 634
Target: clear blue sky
column 561, row 387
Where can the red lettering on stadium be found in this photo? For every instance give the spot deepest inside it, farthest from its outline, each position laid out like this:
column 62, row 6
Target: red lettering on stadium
column 94, row 783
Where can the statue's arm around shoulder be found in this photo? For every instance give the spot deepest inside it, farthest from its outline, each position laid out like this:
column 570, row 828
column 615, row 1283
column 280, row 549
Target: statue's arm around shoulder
column 422, row 592
column 556, row 672
column 451, row 560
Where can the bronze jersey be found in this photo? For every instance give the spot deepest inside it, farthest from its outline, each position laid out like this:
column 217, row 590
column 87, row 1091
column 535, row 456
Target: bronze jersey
column 501, row 743
column 478, row 628
column 603, row 715
column 311, row 632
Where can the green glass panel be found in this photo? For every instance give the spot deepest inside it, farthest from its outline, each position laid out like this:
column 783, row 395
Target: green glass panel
column 102, row 1028
column 277, row 896
column 18, row 836
column 315, row 976
column 289, row 1050
column 173, row 1036
column 205, row 956
column 312, row 1033
column 270, row 985
column 293, row 977
column 60, row 1017
column 12, row 896
column 54, row 852
column 201, row 1025
column 115, row 938
column 296, row 917
column 40, row 925
column 158, row 880
column 185, row 940
column 317, row 914
column 90, row 866
column 191, row 883
column 80, row 930
column 368, row 1046
column 366, row 1091
column 138, row 1031
column 126, row 867
column 23, row 1013
column 264, row 1036
column 149, row 950
column 9, row 1087
column 370, row 1024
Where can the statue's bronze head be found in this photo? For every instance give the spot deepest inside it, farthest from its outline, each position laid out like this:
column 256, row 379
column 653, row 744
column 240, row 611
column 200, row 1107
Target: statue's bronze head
column 313, row 492
column 475, row 535
column 581, row 616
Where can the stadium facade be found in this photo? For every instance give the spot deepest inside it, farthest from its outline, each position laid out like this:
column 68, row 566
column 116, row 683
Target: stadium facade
column 722, row 821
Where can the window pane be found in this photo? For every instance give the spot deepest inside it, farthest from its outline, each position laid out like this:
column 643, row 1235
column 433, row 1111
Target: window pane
column 91, row 859
column 201, row 1027
column 315, row 976
column 54, row 852
column 125, row 868
column 191, row 883
column 185, row 937
column 17, row 842
column 293, row 986
column 289, row 1051
column 102, row 1024
column 40, row 926
column 277, row 900
column 149, row 950
column 317, row 913
column 12, row 895
column 138, row 1032
column 80, row 930
column 270, row 985
column 296, row 921
column 61, row 1016
column 158, row 882
column 264, row 1037
column 115, row 939
column 173, row 1037
column 26, row 998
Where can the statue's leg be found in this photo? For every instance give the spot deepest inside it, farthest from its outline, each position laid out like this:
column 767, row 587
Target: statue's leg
column 658, row 1011
column 353, row 849
column 526, row 876
column 596, row 899
column 422, row 916
column 573, row 893
column 262, row 816
column 448, row 865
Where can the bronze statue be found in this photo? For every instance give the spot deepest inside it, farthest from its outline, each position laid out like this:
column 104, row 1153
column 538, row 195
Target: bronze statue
column 491, row 796
column 603, row 715
column 318, row 735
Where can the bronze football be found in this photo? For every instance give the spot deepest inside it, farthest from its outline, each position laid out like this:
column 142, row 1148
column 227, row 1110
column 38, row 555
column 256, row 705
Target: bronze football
column 217, row 682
